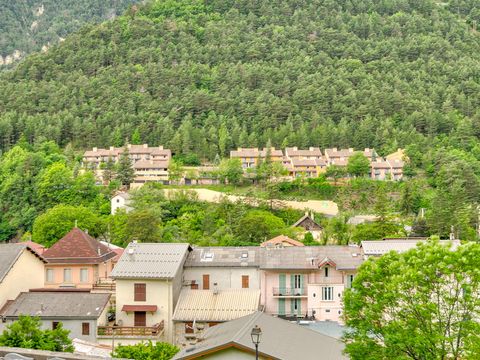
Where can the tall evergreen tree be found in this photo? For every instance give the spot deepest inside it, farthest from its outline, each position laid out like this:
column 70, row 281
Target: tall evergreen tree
column 125, row 171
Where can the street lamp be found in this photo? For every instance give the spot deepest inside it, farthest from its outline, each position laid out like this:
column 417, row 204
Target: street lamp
column 256, row 334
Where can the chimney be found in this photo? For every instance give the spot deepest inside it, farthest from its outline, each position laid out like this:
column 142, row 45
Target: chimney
column 99, row 252
column 145, row 146
column 350, row 149
column 112, row 148
column 95, row 149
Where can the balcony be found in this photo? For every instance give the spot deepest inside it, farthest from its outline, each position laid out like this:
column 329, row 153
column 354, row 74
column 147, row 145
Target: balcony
column 130, row 331
column 290, row 292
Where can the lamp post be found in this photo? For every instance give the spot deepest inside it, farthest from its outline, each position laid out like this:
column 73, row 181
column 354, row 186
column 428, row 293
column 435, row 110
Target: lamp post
column 256, row 334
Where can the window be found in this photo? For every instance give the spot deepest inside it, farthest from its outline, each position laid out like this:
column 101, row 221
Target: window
column 296, row 304
column 349, row 280
column 55, row 325
column 194, row 285
column 140, row 293
column 83, row 275
column 326, row 271
column 49, row 275
column 67, row 275
column 86, row 328
column 206, row 282
column 245, row 282
column 297, row 282
column 189, row 328
column 327, row 293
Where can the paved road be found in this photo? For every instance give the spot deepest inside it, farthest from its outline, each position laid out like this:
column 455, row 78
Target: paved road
column 329, row 208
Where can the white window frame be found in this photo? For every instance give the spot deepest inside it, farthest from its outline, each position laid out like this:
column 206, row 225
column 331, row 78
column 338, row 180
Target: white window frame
column 48, row 278
column 69, row 272
column 327, row 293
column 84, row 271
column 297, row 281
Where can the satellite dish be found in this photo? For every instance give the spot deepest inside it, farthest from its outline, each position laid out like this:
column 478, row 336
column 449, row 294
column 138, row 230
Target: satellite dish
column 120, row 322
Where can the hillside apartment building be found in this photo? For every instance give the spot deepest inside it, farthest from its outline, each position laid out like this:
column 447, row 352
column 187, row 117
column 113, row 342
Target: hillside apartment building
column 149, row 163
column 312, row 162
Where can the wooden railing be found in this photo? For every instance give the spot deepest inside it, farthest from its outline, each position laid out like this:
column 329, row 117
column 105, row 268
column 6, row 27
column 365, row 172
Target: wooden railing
column 130, row 330
column 104, row 284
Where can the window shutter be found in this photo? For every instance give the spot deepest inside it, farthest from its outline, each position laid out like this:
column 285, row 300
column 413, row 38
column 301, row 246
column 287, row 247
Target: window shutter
column 282, row 283
column 140, row 292
column 86, row 328
column 281, row 306
column 206, row 282
column 245, row 282
column 292, row 306
column 301, row 284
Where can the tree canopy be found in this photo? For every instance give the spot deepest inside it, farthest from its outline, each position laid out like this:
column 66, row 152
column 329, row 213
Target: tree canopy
column 422, row 304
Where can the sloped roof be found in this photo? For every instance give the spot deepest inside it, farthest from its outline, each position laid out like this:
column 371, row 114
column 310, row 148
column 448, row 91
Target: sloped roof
column 309, row 257
column 61, row 305
column 38, row 248
column 223, row 305
column 77, row 247
column 305, row 218
column 280, row 239
column 295, row 151
column 241, row 256
column 151, row 261
column 380, row 247
column 10, row 253
column 280, row 340
column 151, row 164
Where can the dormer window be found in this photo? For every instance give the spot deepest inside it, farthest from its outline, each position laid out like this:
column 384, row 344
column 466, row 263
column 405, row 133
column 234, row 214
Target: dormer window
column 245, row 255
column 207, row 256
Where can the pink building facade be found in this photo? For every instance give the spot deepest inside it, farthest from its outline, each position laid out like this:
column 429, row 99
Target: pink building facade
column 307, row 282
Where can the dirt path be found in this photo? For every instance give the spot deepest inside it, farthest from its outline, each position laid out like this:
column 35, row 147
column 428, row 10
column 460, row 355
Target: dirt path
column 328, row 208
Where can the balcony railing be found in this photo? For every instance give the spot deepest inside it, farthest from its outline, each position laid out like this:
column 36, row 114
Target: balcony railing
column 130, row 330
column 286, row 291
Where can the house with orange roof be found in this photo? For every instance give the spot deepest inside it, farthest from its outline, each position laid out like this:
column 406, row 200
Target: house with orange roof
column 78, row 261
column 281, row 241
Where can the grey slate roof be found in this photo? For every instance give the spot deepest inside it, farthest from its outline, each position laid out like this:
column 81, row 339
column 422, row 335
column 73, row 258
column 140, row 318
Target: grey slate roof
column 380, row 247
column 224, row 256
column 309, row 257
column 58, row 305
column 280, row 340
column 151, row 261
column 9, row 254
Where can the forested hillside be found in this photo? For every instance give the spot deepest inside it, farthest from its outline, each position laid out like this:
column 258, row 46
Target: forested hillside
column 202, row 77
column 29, row 25
column 205, row 76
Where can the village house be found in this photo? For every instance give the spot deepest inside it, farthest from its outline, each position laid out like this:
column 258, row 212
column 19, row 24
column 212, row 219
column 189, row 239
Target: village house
column 281, row 241
column 197, row 310
column 279, row 340
column 308, row 224
column 308, row 281
column 21, row 268
column 80, row 312
column 222, row 268
column 304, row 162
column 148, row 280
column 78, row 261
column 120, row 201
column 250, row 157
column 311, row 153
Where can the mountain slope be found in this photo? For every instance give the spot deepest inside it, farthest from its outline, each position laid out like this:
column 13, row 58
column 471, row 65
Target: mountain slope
column 206, row 76
column 30, row 25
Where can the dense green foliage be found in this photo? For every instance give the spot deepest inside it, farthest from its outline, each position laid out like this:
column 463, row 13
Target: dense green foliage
column 27, row 25
column 34, row 179
column 203, row 77
column 422, row 304
column 346, row 73
column 146, row 351
column 26, row 333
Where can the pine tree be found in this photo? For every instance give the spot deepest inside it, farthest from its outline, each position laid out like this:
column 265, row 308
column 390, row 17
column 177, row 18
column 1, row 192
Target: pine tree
column 125, row 171
column 109, row 171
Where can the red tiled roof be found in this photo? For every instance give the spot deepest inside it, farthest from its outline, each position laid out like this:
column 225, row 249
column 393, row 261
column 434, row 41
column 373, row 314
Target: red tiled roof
column 282, row 239
column 39, row 249
column 77, row 247
column 132, row 308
